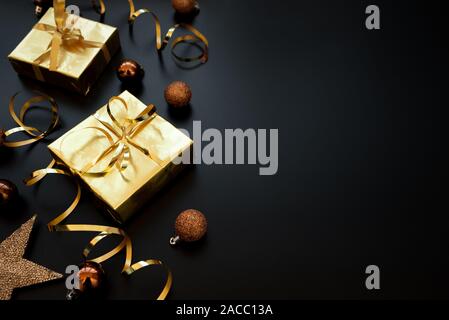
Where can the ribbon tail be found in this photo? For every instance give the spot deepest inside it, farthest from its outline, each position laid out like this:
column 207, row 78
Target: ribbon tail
column 44, row 56
column 151, row 262
column 38, row 175
column 54, row 51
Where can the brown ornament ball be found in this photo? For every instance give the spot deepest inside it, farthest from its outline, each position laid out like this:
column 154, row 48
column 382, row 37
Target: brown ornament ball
column 91, row 283
column 2, row 137
column 190, row 225
column 91, row 276
column 178, row 94
column 8, row 191
column 130, row 72
column 183, row 6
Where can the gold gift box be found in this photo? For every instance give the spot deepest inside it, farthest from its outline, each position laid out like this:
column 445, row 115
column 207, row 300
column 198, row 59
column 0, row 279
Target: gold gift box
column 78, row 67
column 122, row 192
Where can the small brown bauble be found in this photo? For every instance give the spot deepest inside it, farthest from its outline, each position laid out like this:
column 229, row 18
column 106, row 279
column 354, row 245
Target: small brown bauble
column 8, row 191
column 91, row 276
column 190, row 225
column 2, row 137
column 91, row 283
column 130, row 72
column 183, row 6
column 178, row 94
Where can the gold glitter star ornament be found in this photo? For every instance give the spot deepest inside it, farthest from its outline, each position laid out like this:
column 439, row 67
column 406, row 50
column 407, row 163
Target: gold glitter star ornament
column 15, row 271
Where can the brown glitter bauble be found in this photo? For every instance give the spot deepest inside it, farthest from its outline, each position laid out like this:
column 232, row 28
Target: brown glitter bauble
column 130, row 72
column 178, row 94
column 183, row 6
column 2, row 137
column 8, row 191
column 190, row 225
column 91, row 276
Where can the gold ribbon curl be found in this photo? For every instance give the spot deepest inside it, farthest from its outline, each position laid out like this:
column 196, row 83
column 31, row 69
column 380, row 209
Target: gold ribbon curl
column 127, row 129
column 195, row 38
column 63, row 35
column 35, row 133
column 104, row 231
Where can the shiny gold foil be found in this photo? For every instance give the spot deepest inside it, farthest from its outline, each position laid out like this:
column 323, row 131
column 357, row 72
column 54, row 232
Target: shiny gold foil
column 78, row 66
column 122, row 191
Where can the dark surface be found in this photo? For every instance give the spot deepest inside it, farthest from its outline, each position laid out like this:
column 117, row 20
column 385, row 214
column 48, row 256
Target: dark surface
column 363, row 153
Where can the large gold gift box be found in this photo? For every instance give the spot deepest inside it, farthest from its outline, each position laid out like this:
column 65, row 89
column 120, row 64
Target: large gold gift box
column 79, row 63
column 122, row 192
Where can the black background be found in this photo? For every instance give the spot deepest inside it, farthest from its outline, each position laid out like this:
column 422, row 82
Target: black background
column 363, row 161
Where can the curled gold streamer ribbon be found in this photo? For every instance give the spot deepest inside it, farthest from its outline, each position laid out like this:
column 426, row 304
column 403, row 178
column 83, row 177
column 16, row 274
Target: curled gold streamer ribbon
column 104, row 231
column 195, row 38
column 146, row 263
column 35, row 133
column 62, row 35
column 126, row 131
column 38, row 175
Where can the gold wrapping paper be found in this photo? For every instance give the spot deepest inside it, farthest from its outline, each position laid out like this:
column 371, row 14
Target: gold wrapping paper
column 78, row 66
column 122, row 192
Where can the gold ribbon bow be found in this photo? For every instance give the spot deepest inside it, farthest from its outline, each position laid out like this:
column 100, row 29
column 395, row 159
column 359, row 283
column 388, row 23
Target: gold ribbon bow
column 124, row 131
column 63, row 35
column 35, row 133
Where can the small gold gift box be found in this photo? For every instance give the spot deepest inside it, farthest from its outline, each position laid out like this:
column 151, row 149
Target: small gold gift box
column 65, row 50
column 123, row 153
